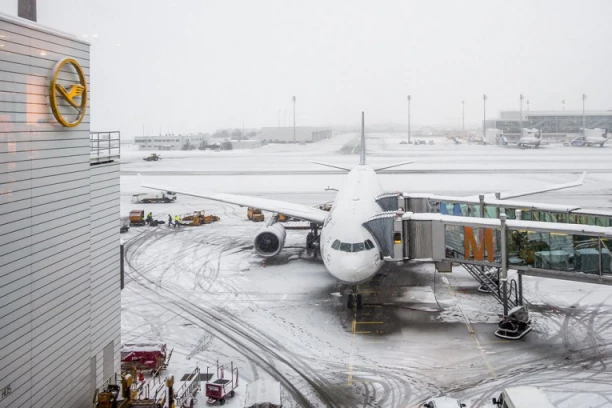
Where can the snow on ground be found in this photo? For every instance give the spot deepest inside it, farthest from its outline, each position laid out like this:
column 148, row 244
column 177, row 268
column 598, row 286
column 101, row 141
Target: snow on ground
column 205, row 293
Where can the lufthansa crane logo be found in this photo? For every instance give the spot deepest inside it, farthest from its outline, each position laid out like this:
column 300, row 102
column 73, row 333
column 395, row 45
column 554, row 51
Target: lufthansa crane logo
column 68, row 99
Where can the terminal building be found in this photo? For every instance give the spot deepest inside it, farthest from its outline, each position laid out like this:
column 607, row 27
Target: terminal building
column 169, row 142
column 60, row 296
column 554, row 125
column 303, row 134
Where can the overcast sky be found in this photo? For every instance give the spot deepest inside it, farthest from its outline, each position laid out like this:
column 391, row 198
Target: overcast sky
column 200, row 65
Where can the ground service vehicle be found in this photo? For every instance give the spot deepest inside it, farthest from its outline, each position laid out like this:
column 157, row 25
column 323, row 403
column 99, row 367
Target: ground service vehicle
column 137, row 217
column 255, row 214
column 263, row 393
column 158, row 197
column 219, row 388
column 152, row 157
column 522, row 397
column 443, row 402
column 145, row 356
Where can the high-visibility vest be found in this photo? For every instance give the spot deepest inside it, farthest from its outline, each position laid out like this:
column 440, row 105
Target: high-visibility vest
column 176, row 218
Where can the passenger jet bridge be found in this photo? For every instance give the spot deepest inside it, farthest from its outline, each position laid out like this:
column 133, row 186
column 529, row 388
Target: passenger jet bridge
column 488, row 247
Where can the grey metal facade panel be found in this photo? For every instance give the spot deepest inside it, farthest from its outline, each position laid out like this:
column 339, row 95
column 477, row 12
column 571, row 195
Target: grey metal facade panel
column 48, row 283
column 32, row 30
column 58, row 221
column 105, row 199
column 48, row 208
column 14, row 260
column 50, row 196
column 106, row 233
column 8, row 195
column 44, row 253
column 45, row 56
column 59, row 161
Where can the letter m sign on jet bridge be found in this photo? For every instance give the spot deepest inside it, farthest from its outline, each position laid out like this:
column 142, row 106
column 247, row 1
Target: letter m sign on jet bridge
column 473, row 250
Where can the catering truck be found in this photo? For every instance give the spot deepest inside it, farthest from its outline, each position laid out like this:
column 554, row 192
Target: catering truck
column 157, row 197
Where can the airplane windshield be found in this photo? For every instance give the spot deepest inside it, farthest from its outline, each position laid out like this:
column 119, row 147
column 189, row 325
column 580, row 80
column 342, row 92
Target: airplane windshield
column 352, row 247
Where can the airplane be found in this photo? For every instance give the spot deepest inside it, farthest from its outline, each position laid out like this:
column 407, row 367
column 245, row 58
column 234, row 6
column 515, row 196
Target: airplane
column 529, row 138
column 591, row 137
column 349, row 251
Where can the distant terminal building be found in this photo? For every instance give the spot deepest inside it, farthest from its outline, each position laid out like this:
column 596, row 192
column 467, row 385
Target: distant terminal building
column 285, row 134
column 245, row 144
column 554, row 125
column 168, row 142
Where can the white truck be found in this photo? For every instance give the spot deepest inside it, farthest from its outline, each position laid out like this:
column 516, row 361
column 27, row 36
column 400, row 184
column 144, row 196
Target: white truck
column 522, row 397
column 157, row 197
column 263, row 394
column 494, row 136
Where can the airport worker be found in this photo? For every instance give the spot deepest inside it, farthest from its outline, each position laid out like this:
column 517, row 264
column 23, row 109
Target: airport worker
column 176, row 221
column 149, row 218
column 169, row 220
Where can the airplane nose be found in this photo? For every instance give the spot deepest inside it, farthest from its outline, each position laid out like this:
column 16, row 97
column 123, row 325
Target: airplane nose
column 352, row 269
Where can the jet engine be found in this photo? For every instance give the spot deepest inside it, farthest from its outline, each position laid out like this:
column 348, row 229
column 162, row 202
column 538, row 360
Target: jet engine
column 270, row 240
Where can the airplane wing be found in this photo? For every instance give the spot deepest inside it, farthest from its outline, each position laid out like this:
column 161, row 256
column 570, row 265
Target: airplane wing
column 300, row 211
column 551, row 187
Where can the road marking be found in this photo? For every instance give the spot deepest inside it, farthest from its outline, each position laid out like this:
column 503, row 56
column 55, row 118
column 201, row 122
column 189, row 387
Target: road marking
column 483, row 353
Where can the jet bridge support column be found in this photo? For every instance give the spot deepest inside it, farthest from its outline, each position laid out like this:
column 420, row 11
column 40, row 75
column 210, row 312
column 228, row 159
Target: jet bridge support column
column 515, row 323
column 503, row 278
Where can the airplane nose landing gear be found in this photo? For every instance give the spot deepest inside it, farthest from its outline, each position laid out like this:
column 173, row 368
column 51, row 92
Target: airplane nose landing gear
column 354, row 300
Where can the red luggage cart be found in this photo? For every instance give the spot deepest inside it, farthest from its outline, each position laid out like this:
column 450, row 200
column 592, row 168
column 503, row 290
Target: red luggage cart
column 219, row 388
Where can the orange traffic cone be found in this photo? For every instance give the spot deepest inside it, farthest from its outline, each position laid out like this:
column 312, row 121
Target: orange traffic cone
column 141, row 376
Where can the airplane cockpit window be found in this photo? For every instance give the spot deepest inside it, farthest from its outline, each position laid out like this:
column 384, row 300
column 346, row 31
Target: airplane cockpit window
column 358, row 247
column 345, row 247
column 353, row 247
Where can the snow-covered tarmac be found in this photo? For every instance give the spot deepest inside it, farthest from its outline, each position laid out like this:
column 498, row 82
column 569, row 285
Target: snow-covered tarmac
column 203, row 291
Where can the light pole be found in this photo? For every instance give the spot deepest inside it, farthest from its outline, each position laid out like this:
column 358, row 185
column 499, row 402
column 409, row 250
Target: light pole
column 583, row 121
column 484, row 117
column 294, row 119
column 527, row 107
column 563, row 103
column 462, row 118
column 409, row 98
column 521, row 117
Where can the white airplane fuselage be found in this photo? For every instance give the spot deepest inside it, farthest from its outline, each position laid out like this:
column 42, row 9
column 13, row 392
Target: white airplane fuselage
column 354, row 261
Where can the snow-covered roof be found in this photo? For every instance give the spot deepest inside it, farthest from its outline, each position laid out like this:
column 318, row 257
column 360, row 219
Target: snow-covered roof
column 263, row 393
column 525, row 396
column 575, row 229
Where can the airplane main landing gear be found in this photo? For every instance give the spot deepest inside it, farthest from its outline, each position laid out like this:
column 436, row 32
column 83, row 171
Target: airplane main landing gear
column 354, row 300
column 312, row 240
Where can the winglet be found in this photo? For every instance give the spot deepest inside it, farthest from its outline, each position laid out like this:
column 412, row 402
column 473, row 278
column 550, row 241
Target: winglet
column 362, row 158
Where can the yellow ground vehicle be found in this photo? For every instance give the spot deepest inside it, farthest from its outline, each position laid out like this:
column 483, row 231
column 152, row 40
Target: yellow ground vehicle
column 255, row 214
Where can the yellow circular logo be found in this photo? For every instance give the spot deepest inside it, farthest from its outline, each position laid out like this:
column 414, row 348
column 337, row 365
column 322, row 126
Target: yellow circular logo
column 68, row 99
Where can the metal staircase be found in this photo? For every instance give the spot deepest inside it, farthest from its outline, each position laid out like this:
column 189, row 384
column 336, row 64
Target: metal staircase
column 487, row 276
